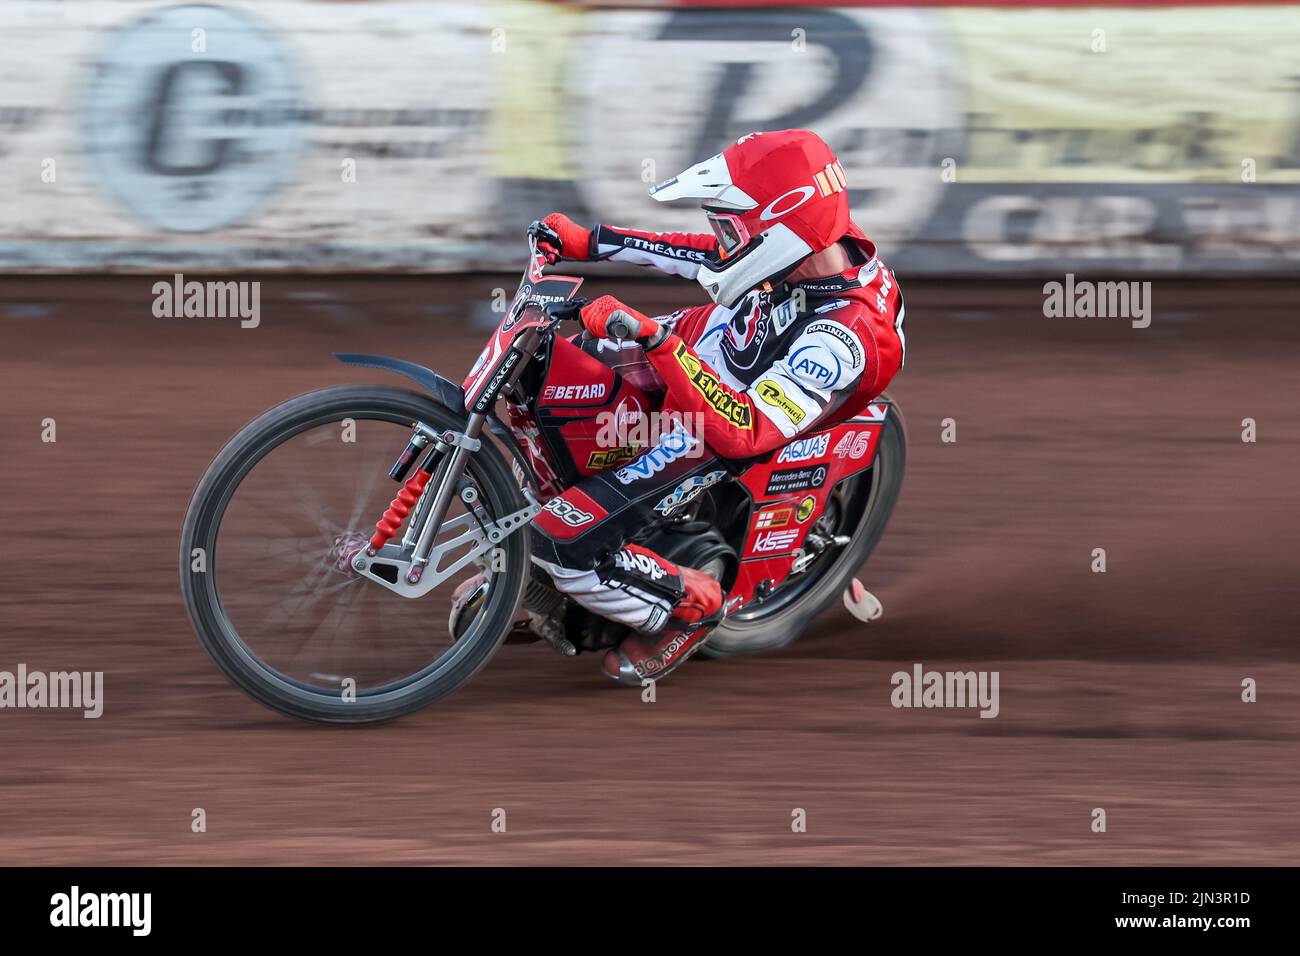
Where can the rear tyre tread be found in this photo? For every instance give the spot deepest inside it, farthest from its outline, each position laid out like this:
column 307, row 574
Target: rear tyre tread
column 789, row 624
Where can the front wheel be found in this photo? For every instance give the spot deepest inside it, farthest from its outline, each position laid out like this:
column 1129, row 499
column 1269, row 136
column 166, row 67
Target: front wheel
column 267, row 549
column 859, row 507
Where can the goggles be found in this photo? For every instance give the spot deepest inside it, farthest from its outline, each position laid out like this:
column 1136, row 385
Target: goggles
column 731, row 232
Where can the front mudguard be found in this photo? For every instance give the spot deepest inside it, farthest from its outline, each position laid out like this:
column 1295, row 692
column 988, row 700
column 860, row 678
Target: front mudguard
column 447, row 392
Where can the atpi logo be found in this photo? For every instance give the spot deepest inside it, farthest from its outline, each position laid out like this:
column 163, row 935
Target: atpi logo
column 816, row 363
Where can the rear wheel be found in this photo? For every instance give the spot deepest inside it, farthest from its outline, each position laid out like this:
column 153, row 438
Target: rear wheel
column 859, row 507
column 266, row 556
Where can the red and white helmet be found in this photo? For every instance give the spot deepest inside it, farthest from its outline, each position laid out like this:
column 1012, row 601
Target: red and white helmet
column 773, row 199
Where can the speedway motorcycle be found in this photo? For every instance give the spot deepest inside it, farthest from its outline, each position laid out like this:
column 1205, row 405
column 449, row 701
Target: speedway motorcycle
column 314, row 609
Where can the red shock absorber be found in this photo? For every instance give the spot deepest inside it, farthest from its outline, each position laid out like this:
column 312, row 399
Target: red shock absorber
column 399, row 508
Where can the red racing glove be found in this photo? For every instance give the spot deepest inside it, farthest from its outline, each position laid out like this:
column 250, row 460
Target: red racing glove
column 599, row 315
column 575, row 241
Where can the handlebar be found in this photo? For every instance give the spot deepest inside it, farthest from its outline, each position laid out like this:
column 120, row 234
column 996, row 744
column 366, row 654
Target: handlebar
column 539, row 231
column 564, row 311
column 557, row 312
column 618, row 328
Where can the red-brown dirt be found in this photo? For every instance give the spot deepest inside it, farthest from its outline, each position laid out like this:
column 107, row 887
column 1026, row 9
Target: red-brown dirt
column 1119, row 690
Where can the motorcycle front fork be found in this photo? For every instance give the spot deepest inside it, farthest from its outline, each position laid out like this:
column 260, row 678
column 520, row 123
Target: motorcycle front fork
column 452, row 451
column 419, row 564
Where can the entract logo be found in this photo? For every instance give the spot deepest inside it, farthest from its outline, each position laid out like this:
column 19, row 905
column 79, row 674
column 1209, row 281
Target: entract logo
column 715, row 393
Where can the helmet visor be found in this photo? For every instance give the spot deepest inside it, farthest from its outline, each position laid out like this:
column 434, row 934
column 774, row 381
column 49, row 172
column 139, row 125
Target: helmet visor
column 731, row 232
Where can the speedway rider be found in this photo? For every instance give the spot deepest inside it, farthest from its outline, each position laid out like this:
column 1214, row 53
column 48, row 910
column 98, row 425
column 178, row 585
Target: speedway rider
column 806, row 327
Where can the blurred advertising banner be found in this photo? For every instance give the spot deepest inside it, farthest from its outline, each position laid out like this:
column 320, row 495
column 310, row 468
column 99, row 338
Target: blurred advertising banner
column 425, row 136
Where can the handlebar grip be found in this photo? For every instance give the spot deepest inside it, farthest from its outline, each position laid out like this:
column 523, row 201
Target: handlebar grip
column 618, row 328
column 539, row 231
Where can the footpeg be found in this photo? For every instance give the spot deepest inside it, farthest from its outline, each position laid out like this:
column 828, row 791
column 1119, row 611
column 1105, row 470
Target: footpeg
column 552, row 632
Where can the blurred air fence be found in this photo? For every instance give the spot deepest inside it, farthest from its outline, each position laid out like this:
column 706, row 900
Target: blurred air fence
column 404, row 136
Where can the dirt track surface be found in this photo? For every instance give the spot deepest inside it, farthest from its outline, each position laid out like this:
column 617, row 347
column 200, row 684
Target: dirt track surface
column 1118, row 690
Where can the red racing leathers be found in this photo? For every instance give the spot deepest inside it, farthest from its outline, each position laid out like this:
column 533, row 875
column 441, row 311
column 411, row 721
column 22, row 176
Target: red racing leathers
column 782, row 361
